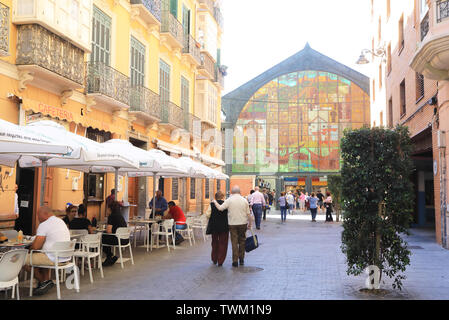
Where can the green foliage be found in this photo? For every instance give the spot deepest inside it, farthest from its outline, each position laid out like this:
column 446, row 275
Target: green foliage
column 334, row 186
column 377, row 197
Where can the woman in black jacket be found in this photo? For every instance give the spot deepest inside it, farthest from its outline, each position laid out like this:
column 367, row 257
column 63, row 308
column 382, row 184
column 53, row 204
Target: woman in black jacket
column 219, row 229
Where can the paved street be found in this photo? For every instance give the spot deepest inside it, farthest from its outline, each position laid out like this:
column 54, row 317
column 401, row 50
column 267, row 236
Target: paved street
column 296, row 260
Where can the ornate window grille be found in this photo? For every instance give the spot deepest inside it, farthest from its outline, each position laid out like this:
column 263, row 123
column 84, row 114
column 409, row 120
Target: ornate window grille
column 442, row 10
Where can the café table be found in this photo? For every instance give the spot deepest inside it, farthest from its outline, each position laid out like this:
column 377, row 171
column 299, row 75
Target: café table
column 14, row 245
column 147, row 223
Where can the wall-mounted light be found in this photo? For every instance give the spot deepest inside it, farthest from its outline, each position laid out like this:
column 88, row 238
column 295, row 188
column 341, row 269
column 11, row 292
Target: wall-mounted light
column 379, row 52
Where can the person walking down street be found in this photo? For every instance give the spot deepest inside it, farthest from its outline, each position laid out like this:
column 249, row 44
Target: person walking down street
column 219, row 229
column 266, row 206
column 270, row 198
column 313, row 201
column 283, row 205
column 257, row 203
column 302, row 201
column 328, row 206
column 290, row 202
column 239, row 220
column 320, row 197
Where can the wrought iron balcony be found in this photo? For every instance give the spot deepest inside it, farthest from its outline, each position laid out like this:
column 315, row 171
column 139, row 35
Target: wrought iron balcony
column 192, row 48
column 218, row 17
column 442, row 10
column 152, row 11
column 145, row 100
column 4, row 30
column 424, row 26
column 208, row 4
column 219, row 77
column 193, row 125
column 207, row 67
column 106, row 81
column 39, row 48
column 172, row 29
column 172, row 115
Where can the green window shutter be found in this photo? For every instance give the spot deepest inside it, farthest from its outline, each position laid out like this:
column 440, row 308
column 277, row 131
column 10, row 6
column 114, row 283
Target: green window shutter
column 186, row 19
column 137, row 63
column 174, row 8
column 164, row 85
column 101, row 37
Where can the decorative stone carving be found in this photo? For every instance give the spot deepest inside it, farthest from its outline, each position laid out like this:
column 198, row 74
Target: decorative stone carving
column 24, row 78
column 65, row 95
column 90, row 102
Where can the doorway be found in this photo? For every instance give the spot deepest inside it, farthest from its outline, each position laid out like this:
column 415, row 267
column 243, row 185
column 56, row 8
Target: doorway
column 25, row 178
column 137, row 187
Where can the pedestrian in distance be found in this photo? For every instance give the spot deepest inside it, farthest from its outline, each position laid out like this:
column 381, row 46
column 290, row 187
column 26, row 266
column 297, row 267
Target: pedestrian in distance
column 313, row 201
column 328, row 206
column 218, row 228
column 266, row 207
column 302, row 201
column 320, row 197
column 239, row 220
column 291, row 202
column 283, row 206
column 257, row 204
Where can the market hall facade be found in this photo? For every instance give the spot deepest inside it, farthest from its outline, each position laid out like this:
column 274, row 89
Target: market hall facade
column 283, row 128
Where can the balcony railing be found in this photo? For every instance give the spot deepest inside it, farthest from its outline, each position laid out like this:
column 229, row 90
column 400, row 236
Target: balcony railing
column 153, row 6
column 105, row 80
column 145, row 100
column 219, row 77
column 209, row 4
column 4, row 30
column 207, row 64
column 442, row 10
column 172, row 26
column 424, row 26
column 172, row 114
column 218, row 17
column 193, row 125
column 38, row 46
column 192, row 47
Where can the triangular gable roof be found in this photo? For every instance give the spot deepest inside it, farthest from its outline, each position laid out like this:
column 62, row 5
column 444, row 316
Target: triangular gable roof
column 306, row 59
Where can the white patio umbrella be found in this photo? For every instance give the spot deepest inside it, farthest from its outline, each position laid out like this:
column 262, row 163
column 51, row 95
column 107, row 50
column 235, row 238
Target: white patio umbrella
column 91, row 153
column 16, row 141
column 151, row 162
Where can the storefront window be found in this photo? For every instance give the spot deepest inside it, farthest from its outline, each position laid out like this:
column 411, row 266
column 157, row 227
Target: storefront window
column 96, row 186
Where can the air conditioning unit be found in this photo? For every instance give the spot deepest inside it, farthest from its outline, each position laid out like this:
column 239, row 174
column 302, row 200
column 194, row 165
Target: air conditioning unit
column 441, row 139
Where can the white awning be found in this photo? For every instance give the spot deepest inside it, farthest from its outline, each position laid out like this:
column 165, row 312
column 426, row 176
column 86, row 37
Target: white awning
column 174, row 148
column 212, row 160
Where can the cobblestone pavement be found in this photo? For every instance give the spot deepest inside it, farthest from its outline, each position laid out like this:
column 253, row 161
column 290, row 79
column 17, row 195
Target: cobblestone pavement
column 295, row 260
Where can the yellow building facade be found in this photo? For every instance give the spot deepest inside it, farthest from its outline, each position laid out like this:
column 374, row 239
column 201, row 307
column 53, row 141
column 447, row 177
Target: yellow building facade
column 147, row 71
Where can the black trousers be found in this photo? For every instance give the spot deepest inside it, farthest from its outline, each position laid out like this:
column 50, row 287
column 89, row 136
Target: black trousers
column 329, row 215
column 105, row 239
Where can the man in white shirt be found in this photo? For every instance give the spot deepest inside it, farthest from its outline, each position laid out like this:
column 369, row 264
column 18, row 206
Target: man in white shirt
column 290, row 202
column 257, row 203
column 239, row 219
column 50, row 230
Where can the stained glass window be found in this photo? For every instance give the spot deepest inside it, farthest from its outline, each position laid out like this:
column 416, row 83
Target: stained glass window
column 294, row 123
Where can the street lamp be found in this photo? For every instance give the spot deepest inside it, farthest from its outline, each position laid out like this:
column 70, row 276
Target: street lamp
column 379, row 52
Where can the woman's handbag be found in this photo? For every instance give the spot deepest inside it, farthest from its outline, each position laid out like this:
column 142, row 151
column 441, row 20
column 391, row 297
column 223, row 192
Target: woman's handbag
column 252, row 242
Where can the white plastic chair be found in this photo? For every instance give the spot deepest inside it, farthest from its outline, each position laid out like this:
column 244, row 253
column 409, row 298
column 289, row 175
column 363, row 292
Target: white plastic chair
column 201, row 224
column 64, row 250
column 10, row 265
column 137, row 228
column 167, row 230
column 188, row 232
column 121, row 234
column 88, row 242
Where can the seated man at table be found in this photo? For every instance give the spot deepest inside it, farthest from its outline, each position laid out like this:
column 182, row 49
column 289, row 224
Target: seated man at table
column 176, row 213
column 81, row 223
column 70, row 213
column 115, row 221
column 50, row 230
column 160, row 204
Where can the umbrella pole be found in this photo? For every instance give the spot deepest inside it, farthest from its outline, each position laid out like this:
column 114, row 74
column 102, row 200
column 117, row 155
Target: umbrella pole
column 116, row 184
column 154, row 195
column 43, row 178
